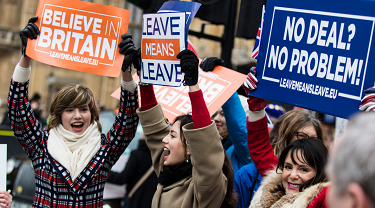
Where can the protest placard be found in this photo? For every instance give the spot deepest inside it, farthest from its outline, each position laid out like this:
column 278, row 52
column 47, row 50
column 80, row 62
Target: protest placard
column 163, row 37
column 316, row 54
column 79, row 35
column 217, row 86
column 3, row 165
column 190, row 9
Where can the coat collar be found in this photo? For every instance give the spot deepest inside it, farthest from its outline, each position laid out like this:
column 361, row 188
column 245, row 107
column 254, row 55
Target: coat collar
column 161, row 188
column 178, row 183
column 265, row 198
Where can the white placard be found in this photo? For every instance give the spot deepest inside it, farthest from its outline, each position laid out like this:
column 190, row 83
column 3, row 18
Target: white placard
column 340, row 126
column 3, row 166
column 163, row 37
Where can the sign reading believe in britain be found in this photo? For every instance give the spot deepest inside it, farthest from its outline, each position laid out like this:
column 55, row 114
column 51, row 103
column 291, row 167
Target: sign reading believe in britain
column 80, row 36
column 317, row 54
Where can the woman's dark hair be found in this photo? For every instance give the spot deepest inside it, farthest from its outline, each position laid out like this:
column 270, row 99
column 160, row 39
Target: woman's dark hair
column 184, row 119
column 230, row 199
column 310, row 151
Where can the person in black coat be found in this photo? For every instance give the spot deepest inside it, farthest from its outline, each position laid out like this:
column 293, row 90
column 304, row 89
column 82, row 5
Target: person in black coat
column 138, row 164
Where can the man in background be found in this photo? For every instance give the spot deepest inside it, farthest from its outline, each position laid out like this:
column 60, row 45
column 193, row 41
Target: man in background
column 351, row 168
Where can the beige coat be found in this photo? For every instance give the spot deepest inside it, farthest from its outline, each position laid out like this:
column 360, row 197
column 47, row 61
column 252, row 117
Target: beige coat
column 264, row 198
column 207, row 185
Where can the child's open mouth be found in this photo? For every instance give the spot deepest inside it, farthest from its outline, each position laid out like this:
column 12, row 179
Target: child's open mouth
column 77, row 126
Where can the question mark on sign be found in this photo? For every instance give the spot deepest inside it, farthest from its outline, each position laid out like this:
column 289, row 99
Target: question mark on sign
column 351, row 29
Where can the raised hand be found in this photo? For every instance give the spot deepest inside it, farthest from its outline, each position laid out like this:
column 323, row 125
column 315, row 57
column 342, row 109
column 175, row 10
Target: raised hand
column 189, row 65
column 30, row 31
column 127, row 48
column 368, row 102
column 208, row 64
column 251, row 81
column 250, row 84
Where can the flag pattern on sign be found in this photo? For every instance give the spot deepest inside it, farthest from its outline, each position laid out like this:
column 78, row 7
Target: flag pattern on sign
column 259, row 34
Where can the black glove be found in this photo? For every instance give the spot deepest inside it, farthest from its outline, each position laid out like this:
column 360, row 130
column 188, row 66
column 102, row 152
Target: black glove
column 189, row 65
column 128, row 49
column 208, row 64
column 137, row 62
column 30, row 31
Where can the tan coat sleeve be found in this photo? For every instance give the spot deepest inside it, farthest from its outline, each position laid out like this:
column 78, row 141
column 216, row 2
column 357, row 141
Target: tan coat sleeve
column 155, row 127
column 207, row 158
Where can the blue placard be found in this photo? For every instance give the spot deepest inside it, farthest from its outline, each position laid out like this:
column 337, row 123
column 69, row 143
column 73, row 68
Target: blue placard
column 191, row 8
column 317, row 54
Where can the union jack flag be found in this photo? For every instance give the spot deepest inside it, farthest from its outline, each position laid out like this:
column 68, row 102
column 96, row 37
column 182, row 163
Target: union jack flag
column 257, row 41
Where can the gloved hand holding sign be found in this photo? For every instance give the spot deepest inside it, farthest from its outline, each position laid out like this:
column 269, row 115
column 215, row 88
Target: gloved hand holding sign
column 208, row 64
column 250, row 84
column 30, row 31
column 189, row 65
column 128, row 49
column 368, row 102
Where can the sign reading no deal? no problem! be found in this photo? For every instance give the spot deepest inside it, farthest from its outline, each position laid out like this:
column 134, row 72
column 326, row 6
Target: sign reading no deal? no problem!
column 317, row 57
column 80, row 36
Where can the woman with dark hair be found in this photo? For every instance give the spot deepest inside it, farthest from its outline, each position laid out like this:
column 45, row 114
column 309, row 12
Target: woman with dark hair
column 71, row 157
column 299, row 179
column 292, row 125
column 192, row 167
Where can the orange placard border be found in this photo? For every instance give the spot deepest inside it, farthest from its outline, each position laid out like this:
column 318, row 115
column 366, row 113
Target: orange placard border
column 118, row 29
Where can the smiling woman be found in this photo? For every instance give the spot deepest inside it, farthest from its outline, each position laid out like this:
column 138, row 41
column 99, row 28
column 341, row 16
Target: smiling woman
column 74, row 107
column 291, row 128
column 76, row 120
column 302, row 183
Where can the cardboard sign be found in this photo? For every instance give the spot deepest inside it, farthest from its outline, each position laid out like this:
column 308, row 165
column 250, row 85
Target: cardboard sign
column 316, row 54
column 163, row 37
column 3, row 165
column 80, row 36
column 217, row 86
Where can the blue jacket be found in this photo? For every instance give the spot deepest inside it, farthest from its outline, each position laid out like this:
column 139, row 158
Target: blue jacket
column 243, row 182
column 235, row 118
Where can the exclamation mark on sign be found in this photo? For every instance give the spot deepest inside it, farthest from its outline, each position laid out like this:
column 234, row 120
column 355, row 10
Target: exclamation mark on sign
column 359, row 72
